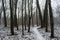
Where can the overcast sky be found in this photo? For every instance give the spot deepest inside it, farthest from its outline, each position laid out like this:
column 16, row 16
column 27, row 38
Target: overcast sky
column 54, row 3
column 42, row 4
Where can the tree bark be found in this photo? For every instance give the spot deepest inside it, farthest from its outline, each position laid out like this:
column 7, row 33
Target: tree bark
column 51, row 19
column 32, row 12
column 40, row 15
column 5, row 22
column 45, row 20
column 25, row 15
column 29, row 17
column 0, row 18
column 36, row 17
column 15, row 14
column 11, row 13
column 22, row 19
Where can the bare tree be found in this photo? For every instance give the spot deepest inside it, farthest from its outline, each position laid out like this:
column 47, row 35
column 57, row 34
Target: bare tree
column 36, row 17
column 40, row 15
column 51, row 19
column 0, row 18
column 25, row 15
column 18, row 16
column 11, row 16
column 45, row 20
column 32, row 12
column 22, row 19
column 0, row 14
column 5, row 22
column 15, row 14
column 29, row 17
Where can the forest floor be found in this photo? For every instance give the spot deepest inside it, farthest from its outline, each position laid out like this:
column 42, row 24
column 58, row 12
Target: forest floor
column 5, row 34
column 46, row 35
column 35, row 34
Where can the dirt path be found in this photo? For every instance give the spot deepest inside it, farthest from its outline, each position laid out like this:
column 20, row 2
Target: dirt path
column 38, row 35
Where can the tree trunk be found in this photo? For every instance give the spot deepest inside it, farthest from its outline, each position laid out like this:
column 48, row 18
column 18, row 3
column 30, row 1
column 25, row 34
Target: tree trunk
column 15, row 14
column 25, row 15
column 11, row 13
column 51, row 19
column 40, row 15
column 29, row 17
column 18, row 17
column 36, row 17
column 22, row 19
column 45, row 20
column 5, row 22
column 32, row 12
column 0, row 18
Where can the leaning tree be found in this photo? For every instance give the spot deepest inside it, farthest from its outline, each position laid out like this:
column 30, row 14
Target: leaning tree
column 40, row 15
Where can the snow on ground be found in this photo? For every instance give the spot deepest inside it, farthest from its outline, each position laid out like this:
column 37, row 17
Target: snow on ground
column 46, row 35
column 33, row 35
column 38, row 35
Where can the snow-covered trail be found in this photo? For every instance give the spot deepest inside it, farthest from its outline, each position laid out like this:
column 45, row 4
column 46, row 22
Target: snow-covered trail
column 38, row 36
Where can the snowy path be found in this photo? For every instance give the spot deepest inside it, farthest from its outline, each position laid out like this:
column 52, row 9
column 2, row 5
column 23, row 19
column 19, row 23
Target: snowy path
column 38, row 36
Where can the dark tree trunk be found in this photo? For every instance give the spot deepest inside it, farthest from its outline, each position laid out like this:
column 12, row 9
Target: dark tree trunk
column 5, row 22
column 40, row 15
column 51, row 19
column 25, row 15
column 0, row 18
column 0, row 15
column 32, row 12
column 45, row 20
column 15, row 14
column 36, row 17
column 22, row 19
column 29, row 17
column 18, row 17
column 11, row 13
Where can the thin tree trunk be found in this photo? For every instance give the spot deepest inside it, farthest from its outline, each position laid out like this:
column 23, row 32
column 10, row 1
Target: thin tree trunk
column 18, row 17
column 15, row 14
column 36, row 17
column 0, row 15
column 46, row 16
column 51, row 19
column 22, row 20
column 25, row 14
column 0, row 18
column 5, row 22
column 29, row 17
column 32, row 12
column 11, row 13
column 40, row 15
